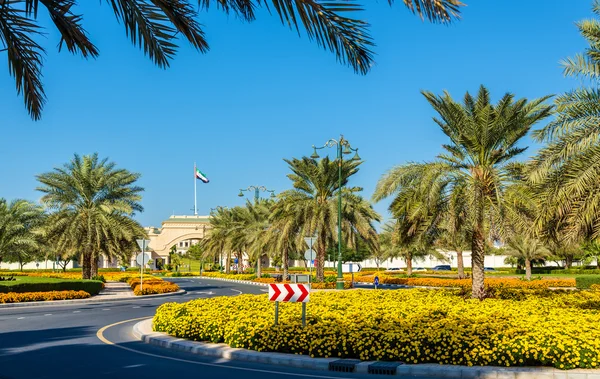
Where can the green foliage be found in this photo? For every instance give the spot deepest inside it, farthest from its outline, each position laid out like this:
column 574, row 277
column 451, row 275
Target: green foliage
column 584, row 282
column 566, row 172
column 20, row 231
column 155, row 27
column 477, row 165
column 99, row 277
column 311, row 207
column 92, row 200
column 93, row 287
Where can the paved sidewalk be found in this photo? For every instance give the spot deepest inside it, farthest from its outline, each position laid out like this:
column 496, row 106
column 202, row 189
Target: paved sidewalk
column 115, row 290
column 143, row 331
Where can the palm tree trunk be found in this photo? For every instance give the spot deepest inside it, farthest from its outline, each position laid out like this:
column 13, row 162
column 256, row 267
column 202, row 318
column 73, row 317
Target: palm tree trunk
column 86, row 265
column 228, row 263
column 477, row 261
column 285, row 264
column 409, row 264
column 93, row 266
column 569, row 261
column 460, row 263
column 528, row 268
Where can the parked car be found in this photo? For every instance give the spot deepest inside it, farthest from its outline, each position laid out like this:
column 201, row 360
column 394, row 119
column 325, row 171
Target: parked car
column 442, row 268
column 393, row 269
column 489, row 269
column 419, row 269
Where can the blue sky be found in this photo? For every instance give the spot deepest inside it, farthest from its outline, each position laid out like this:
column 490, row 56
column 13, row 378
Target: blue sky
column 263, row 94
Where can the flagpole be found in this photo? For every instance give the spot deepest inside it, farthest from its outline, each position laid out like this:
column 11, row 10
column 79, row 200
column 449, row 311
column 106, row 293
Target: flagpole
column 195, row 180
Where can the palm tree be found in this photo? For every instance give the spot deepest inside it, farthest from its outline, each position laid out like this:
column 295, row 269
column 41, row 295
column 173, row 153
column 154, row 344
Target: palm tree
column 256, row 230
column 155, row 26
column 93, row 203
column 20, row 223
column 215, row 244
column 313, row 206
column 591, row 250
column 567, row 170
column 528, row 249
column 284, row 234
column 478, row 159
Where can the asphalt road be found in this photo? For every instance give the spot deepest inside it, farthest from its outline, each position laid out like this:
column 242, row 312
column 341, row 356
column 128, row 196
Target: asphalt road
column 61, row 342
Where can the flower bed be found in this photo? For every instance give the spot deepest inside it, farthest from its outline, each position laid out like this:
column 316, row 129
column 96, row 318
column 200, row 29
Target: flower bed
column 151, row 286
column 13, row 297
column 414, row 326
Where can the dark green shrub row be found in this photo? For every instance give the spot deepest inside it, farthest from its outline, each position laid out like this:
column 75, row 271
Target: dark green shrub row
column 92, row 287
column 583, row 282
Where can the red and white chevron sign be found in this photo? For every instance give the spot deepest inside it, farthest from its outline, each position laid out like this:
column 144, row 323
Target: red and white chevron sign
column 295, row 293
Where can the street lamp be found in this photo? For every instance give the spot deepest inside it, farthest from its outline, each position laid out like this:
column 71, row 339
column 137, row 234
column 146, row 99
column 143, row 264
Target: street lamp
column 257, row 190
column 343, row 147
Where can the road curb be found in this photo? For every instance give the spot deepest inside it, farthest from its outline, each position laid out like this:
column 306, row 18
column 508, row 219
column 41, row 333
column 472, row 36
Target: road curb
column 221, row 279
column 143, row 331
column 51, row 303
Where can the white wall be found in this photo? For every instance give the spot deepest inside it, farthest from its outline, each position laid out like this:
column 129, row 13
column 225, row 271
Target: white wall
column 43, row 265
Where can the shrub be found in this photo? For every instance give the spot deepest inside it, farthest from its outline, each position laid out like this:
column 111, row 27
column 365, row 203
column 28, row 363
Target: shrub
column 414, row 326
column 100, row 278
column 13, row 297
column 155, row 288
column 584, row 282
column 93, row 287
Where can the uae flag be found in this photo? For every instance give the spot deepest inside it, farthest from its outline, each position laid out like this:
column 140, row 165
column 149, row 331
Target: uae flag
column 200, row 175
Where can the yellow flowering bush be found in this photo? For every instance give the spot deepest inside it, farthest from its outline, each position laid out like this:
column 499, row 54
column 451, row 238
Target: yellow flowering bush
column 13, row 297
column 414, row 326
column 154, row 288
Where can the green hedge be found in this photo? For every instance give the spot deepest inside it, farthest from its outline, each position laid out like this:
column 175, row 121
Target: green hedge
column 90, row 286
column 583, row 282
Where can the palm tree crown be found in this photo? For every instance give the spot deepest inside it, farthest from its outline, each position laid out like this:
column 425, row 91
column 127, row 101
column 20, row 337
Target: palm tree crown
column 20, row 223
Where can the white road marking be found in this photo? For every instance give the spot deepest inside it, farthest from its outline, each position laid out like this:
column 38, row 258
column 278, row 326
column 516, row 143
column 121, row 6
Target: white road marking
column 238, row 291
column 208, row 293
column 20, row 318
column 76, row 311
column 137, row 306
column 48, row 314
column 106, row 309
column 132, row 366
column 264, row 290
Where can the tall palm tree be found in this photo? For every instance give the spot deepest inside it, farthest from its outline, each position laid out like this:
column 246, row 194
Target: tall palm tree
column 483, row 143
column 93, row 202
column 215, row 244
column 528, row 249
column 567, row 170
column 284, row 235
column 313, row 205
column 20, row 226
column 256, row 230
column 155, row 26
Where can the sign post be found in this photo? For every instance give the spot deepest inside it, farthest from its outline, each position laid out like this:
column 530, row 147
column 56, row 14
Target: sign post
column 376, row 281
column 310, row 255
column 142, row 259
column 294, row 293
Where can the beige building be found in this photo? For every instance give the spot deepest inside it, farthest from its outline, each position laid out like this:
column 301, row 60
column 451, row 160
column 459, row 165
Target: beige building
column 179, row 231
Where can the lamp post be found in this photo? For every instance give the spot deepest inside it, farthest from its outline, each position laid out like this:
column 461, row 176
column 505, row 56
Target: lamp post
column 257, row 190
column 343, row 147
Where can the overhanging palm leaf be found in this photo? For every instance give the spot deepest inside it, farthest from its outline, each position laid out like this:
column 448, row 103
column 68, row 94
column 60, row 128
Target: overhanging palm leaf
column 154, row 26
